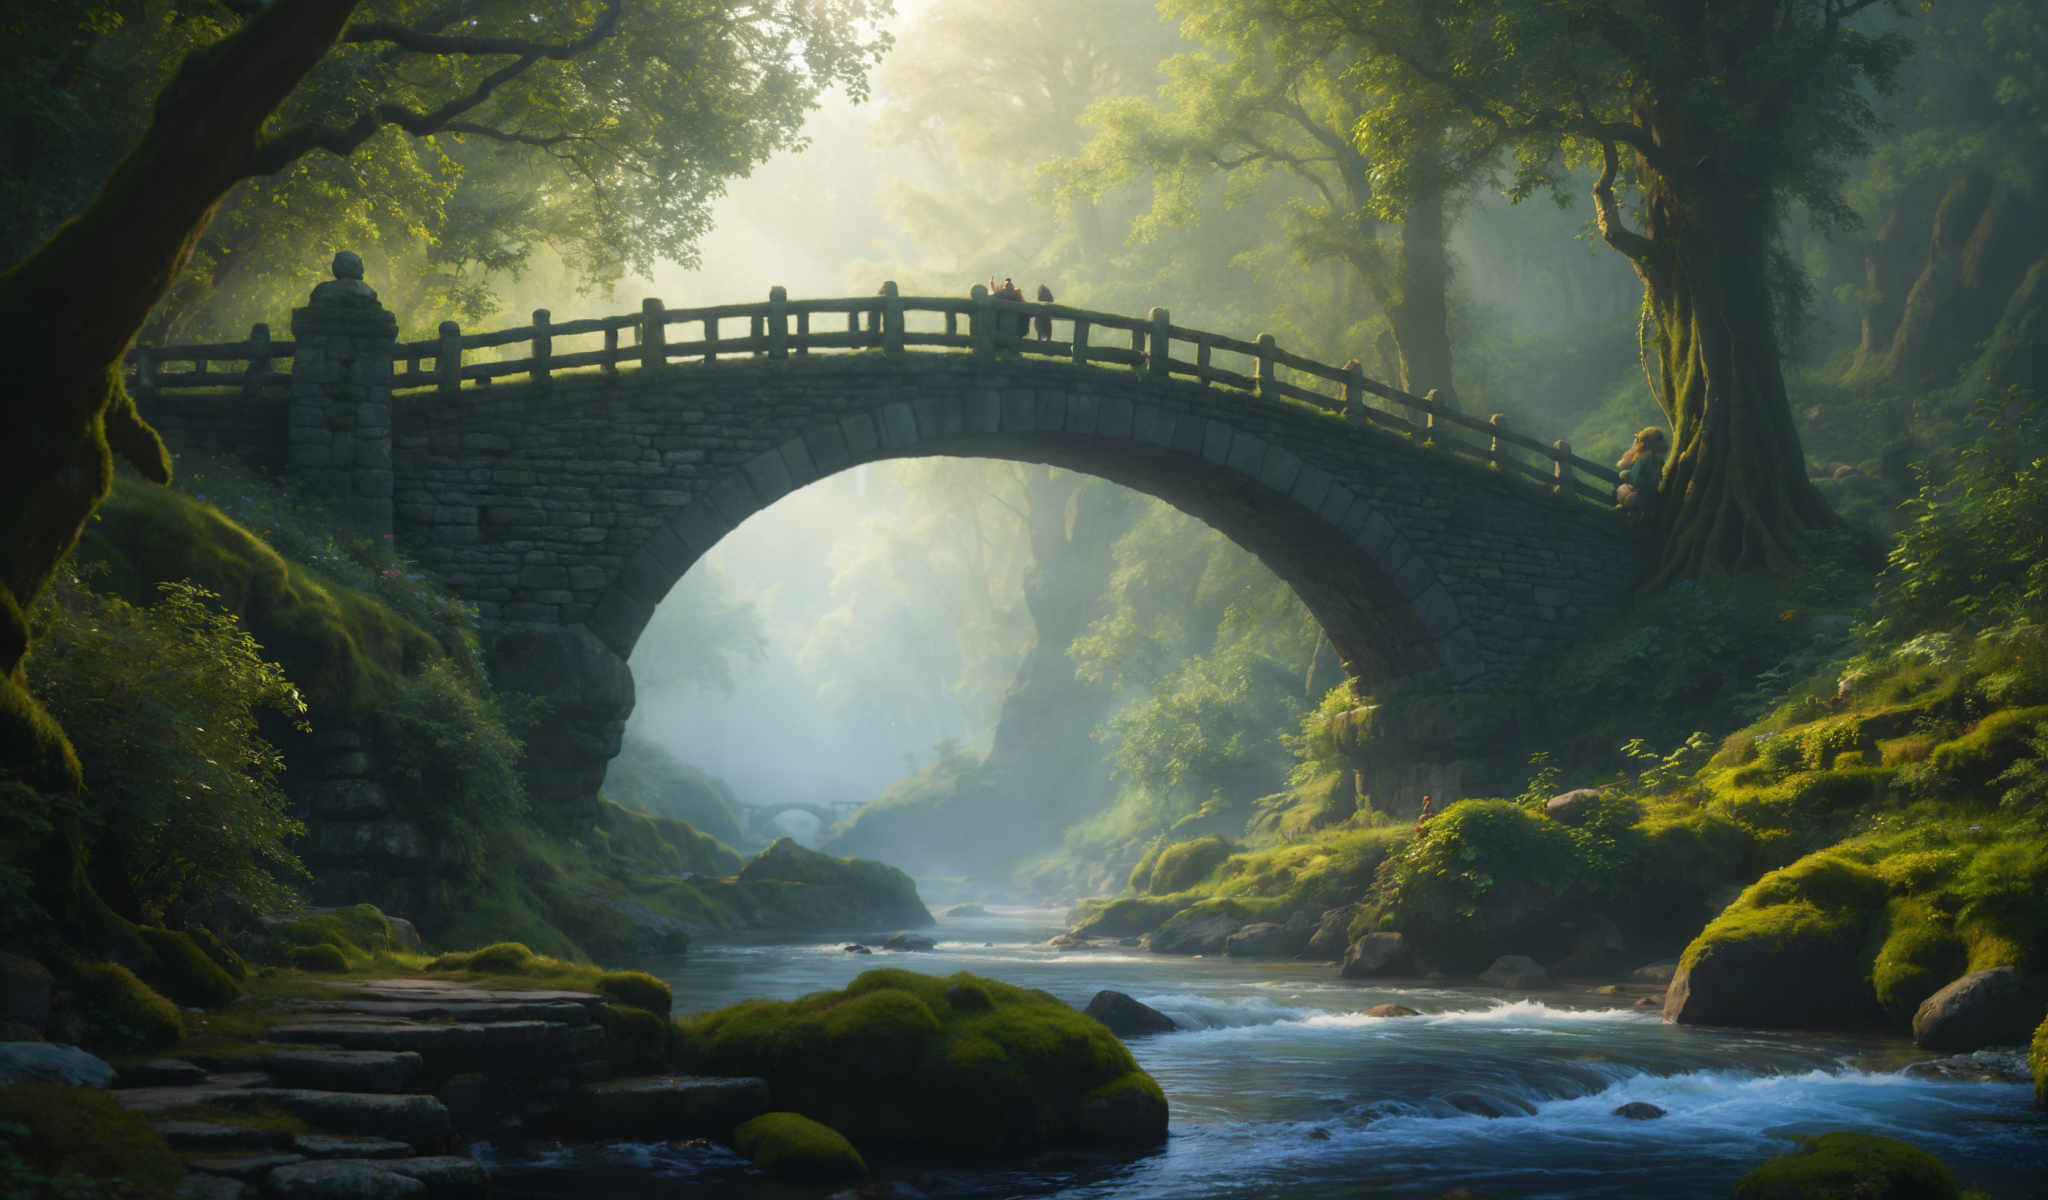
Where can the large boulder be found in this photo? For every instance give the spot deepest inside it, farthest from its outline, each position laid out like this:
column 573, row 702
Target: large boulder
column 1267, row 939
column 1983, row 1008
column 52, row 1062
column 1328, row 942
column 1378, row 956
column 1201, row 929
column 1516, row 971
column 1573, row 806
column 1127, row 1017
column 1786, row 953
column 960, row 1065
column 795, row 1147
column 789, row 886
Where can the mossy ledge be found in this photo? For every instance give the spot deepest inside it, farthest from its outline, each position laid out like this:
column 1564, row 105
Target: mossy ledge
column 962, row 1066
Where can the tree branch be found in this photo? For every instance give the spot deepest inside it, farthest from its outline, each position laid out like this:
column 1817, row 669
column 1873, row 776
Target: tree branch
column 420, row 41
column 1607, row 214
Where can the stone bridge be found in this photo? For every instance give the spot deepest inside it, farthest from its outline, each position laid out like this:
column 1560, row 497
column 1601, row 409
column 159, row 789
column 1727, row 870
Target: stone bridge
column 760, row 818
column 563, row 482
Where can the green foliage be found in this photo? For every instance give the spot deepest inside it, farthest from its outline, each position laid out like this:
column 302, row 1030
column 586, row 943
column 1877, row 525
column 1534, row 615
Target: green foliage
column 452, row 743
column 122, row 1013
column 1975, row 552
column 1921, row 955
column 71, row 1143
column 961, row 1064
column 184, row 971
column 646, row 778
column 1843, row 1165
column 2037, row 1063
column 502, row 957
column 794, row 1146
column 1481, row 875
column 637, row 1040
column 164, row 703
column 223, row 955
column 320, row 956
column 636, row 989
column 1182, row 865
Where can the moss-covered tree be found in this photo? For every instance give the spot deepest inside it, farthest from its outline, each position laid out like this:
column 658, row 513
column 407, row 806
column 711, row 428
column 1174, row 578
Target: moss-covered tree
column 1722, row 115
column 288, row 81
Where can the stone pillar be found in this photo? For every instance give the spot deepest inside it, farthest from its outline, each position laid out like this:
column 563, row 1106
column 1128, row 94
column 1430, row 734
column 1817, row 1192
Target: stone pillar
column 588, row 691
column 339, row 438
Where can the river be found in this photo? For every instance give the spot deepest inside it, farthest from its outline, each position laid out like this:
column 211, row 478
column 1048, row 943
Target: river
column 1279, row 1087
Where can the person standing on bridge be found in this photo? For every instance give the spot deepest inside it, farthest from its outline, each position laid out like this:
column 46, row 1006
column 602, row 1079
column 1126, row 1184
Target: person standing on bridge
column 1043, row 323
column 1007, row 324
column 1642, row 470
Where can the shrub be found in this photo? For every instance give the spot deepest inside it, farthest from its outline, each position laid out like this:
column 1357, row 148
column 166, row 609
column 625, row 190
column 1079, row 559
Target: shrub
column 450, row 738
column 185, row 972
column 638, row 989
column 1850, row 1166
column 59, row 1141
column 1483, row 874
column 122, row 1013
column 223, row 955
column 163, row 705
column 2037, row 1063
column 793, row 1145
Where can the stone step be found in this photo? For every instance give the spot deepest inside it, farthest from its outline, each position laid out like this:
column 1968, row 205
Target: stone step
column 493, row 1037
column 558, row 1012
column 664, row 1107
column 388, row 1071
column 416, row 1120
column 212, row 1135
column 245, row 1167
column 150, row 1099
column 327, row 1145
column 440, row 1177
column 201, row 1186
column 161, row 1072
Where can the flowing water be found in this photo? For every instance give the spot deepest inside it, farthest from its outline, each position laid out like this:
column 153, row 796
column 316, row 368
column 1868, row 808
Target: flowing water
column 1280, row 1087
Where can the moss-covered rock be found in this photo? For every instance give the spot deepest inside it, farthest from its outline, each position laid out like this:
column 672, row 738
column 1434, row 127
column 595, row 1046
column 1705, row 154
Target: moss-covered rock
column 1850, row 1166
column 185, row 972
column 222, row 954
column 792, row 1145
column 1486, row 878
column 122, row 1013
column 637, row 989
column 962, row 1065
column 2037, row 1061
column 1921, row 952
column 79, row 1142
column 637, row 1041
column 788, row 886
column 1788, row 952
column 1126, row 916
column 1182, row 865
column 320, row 956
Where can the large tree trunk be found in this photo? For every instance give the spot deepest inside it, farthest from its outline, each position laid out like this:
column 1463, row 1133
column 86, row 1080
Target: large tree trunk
column 1420, row 307
column 76, row 302
column 1735, row 492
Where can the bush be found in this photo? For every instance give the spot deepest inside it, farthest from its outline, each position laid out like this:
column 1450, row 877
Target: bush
column 220, row 952
column 1850, row 1166
column 122, row 1013
column 2037, row 1063
column 356, row 929
column 450, row 738
column 58, row 1141
column 320, row 956
column 163, row 705
column 1482, row 878
column 638, row 989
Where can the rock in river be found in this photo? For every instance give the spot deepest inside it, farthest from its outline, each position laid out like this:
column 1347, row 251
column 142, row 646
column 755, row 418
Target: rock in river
column 1127, row 1017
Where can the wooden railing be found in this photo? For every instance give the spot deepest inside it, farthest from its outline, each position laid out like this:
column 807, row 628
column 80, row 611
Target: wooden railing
column 781, row 328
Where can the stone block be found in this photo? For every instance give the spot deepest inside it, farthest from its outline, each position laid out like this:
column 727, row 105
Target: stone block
column 1311, row 486
column 863, row 440
column 1279, row 470
column 1152, row 425
column 733, row 498
column 983, row 411
column 796, row 461
column 1052, row 411
column 1216, row 439
column 1081, row 412
column 769, row 476
column 1020, row 411
column 899, row 426
column 1113, row 417
column 1414, row 577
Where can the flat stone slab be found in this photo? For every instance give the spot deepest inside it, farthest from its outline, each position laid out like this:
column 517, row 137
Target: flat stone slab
column 663, row 1107
column 450, row 992
column 558, row 1012
column 446, row 1176
column 341, row 1179
column 161, row 1072
column 508, row 1037
column 245, row 1167
column 327, row 1145
column 196, row 1186
column 345, row 1070
column 213, row 1135
column 417, row 1120
column 216, row 1087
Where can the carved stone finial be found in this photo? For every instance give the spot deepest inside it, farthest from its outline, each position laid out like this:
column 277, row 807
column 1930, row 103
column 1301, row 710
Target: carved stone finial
column 347, row 289
column 348, row 265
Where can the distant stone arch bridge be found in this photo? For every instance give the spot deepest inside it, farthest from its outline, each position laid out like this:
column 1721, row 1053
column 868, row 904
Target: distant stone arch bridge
column 760, row 818
column 563, row 477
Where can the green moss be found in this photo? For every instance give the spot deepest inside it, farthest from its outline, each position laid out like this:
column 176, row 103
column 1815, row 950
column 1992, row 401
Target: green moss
column 223, row 955
column 355, row 931
column 1850, row 1166
column 1991, row 746
column 124, row 1014
column 67, row 1136
column 1128, row 916
column 184, row 972
column 638, row 989
column 960, row 1064
column 1485, row 878
column 2037, row 1062
column 636, row 1041
column 1920, row 955
column 793, row 1145
column 320, row 956
column 1184, row 864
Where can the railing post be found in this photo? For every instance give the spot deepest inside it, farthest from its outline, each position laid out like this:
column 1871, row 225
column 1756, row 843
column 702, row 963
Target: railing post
column 1267, row 376
column 338, row 436
column 543, row 347
column 980, row 325
column 803, row 332
column 711, row 339
column 610, row 366
column 1561, row 470
column 1499, row 422
column 1159, row 358
column 778, row 322
column 1079, row 350
column 1429, row 415
column 653, row 334
column 448, row 359
column 892, row 319
column 1354, row 392
column 259, row 361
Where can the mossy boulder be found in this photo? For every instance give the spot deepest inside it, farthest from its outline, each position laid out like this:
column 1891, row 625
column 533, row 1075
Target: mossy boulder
column 1788, row 952
column 637, row 989
column 1920, row 954
column 960, row 1065
column 79, row 1142
column 789, row 886
column 2037, row 1062
column 1485, row 878
column 1850, row 1166
column 321, row 956
column 1182, row 865
column 1126, row 916
column 122, row 1013
column 184, row 971
column 794, row 1146
column 637, row 1041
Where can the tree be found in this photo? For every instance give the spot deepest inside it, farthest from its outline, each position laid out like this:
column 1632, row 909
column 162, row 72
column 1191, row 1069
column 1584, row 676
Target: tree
column 1722, row 115
column 1268, row 92
column 294, row 80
